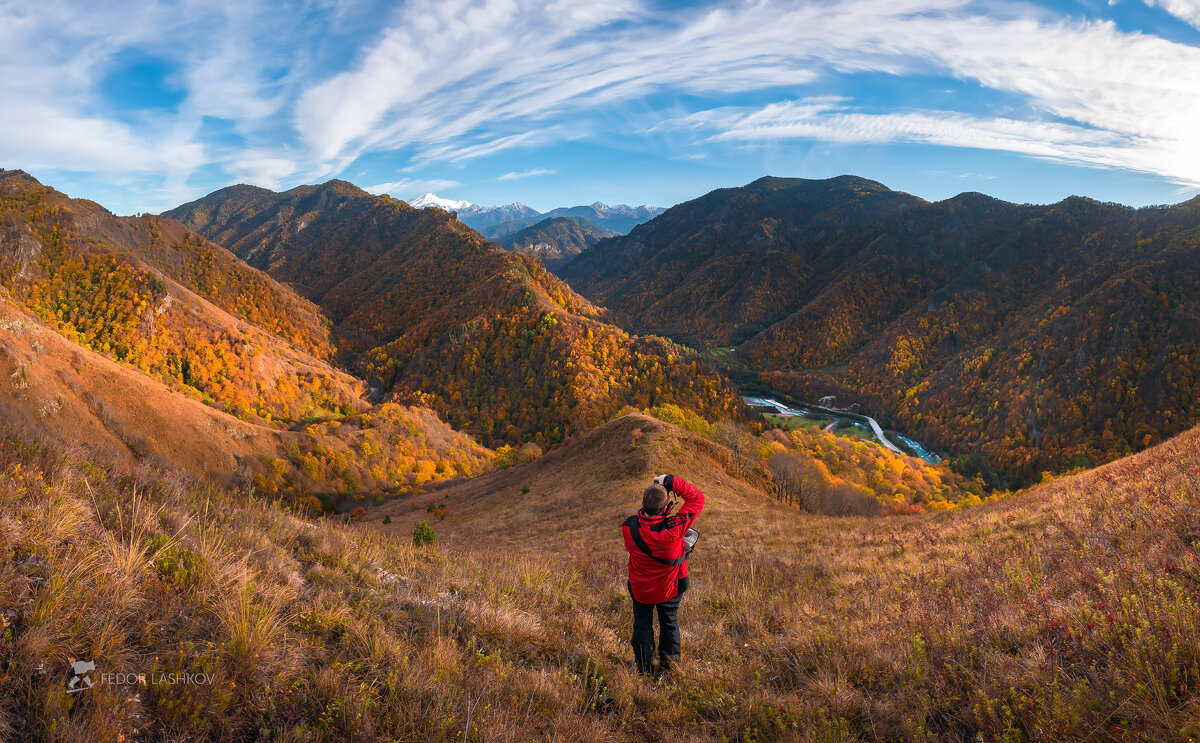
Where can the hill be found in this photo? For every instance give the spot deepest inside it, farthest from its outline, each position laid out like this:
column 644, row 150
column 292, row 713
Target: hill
column 1066, row 613
column 150, row 294
column 428, row 311
column 605, row 471
column 144, row 342
column 1039, row 337
column 556, row 240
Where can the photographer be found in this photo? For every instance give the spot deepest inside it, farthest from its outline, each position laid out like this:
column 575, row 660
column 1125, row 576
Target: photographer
column 658, row 544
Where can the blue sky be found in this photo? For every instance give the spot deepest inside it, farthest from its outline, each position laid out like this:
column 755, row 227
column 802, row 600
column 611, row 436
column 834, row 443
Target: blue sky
column 144, row 105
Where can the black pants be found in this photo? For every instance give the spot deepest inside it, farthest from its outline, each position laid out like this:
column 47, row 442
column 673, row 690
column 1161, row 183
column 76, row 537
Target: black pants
column 668, row 631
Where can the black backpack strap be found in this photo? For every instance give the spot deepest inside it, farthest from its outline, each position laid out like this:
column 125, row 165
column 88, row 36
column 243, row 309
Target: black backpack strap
column 632, row 523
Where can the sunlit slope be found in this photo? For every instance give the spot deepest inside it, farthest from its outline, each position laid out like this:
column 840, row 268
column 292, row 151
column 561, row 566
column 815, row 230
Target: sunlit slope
column 149, row 294
column 63, row 392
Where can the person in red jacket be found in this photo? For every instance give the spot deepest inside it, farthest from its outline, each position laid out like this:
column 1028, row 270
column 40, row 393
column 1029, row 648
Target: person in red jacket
column 658, row 572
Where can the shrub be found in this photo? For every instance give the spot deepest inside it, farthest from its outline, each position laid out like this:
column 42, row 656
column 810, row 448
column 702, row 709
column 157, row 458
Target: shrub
column 387, row 519
column 423, row 534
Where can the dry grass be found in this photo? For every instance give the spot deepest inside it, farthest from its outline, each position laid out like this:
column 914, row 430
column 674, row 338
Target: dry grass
column 1067, row 613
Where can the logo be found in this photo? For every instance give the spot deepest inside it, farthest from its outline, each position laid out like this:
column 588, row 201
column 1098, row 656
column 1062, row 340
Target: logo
column 80, row 680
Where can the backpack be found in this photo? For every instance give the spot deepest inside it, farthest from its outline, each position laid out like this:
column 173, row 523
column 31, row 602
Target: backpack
column 689, row 542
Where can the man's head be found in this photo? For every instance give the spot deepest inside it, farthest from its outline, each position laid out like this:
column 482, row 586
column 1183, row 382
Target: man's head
column 655, row 499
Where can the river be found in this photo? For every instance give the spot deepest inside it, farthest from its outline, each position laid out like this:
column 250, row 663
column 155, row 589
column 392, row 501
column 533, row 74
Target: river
column 816, row 412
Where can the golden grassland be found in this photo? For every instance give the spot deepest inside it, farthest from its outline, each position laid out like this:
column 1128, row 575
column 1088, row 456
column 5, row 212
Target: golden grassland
column 1068, row 612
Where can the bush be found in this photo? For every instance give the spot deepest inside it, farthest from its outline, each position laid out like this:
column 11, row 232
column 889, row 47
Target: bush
column 387, row 519
column 423, row 534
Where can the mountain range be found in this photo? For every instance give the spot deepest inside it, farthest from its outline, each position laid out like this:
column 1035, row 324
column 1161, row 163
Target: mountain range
column 1035, row 337
column 428, row 312
column 498, row 221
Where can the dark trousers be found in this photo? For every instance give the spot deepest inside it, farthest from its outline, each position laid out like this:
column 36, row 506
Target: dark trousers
column 668, row 632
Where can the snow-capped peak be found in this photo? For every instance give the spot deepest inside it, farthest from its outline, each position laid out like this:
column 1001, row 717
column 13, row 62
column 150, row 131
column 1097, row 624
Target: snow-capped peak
column 431, row 199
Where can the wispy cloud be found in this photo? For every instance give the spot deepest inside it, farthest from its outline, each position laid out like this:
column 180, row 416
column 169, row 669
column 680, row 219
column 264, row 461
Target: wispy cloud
column 450, row 72
column 300, row 90
column 514, row 175
column 826, row 119
column 408, row 188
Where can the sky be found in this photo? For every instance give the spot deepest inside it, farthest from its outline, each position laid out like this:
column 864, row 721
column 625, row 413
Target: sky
column 144, row 105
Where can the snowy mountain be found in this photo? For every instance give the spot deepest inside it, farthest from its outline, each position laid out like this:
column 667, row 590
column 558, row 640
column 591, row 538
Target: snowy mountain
column 477, row 215
column 450, row 205
column 480, row 217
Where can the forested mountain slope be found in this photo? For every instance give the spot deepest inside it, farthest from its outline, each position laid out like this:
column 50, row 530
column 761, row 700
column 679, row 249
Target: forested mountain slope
column 428, row 310
column 114, row 332
column 1039, row 336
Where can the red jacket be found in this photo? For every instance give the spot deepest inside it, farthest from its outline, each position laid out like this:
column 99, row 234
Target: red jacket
column 650, row 581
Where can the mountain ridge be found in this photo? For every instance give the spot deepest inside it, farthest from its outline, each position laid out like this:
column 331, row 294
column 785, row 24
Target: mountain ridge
column 941, row 317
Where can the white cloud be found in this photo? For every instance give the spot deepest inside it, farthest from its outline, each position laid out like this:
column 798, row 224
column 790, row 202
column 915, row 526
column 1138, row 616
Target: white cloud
column 226, row 54
column 261, row 169
column 1185, row 10
column 37, row 136
column 825, row 119
column 514, row 175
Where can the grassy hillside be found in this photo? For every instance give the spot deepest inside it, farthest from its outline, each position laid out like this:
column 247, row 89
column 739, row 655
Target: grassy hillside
column 426, row 309
column 1040, row 337
column 1066, row 613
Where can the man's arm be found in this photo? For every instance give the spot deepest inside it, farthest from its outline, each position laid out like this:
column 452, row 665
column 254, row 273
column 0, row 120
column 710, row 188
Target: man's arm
column 693, row 502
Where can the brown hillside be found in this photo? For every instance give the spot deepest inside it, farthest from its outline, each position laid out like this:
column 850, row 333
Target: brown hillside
column 150, row 295
column 117, row 329
column 579, row 494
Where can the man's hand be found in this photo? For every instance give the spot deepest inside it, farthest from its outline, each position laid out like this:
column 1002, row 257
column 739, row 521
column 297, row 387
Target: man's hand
column 667, row 481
